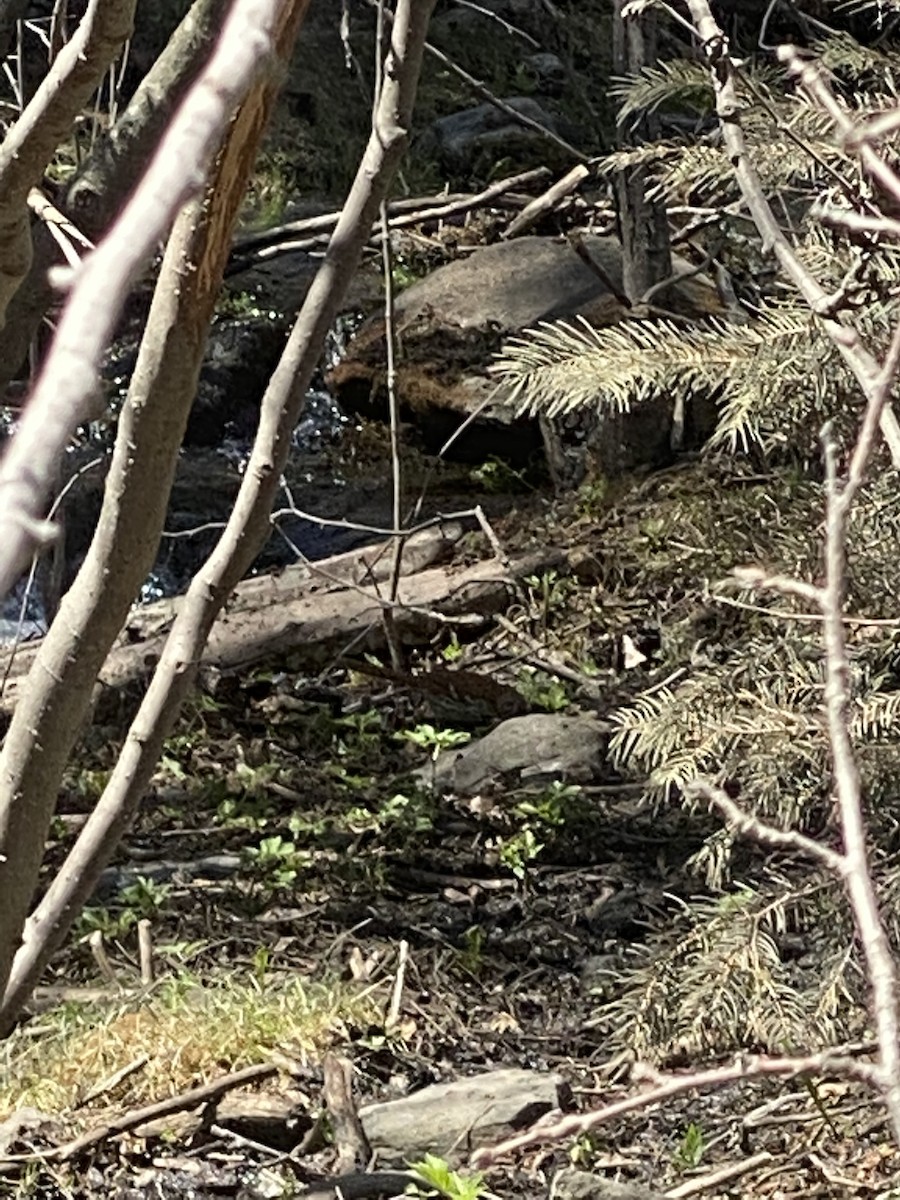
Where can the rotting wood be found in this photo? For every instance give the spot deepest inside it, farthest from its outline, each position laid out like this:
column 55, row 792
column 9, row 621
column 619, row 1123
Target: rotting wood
column 369, row 565
column 353, row 1150
column 317, row 628
column 314, row 626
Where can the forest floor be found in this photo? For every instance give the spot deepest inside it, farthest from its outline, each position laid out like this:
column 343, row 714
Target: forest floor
column 342, row 906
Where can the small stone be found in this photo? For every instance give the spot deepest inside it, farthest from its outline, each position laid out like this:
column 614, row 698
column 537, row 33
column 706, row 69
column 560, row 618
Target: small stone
column 451, row 1119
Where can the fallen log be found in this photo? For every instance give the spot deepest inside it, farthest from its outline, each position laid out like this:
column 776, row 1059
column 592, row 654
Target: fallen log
column 316, row 629
column 312, row 614
column 149, row 624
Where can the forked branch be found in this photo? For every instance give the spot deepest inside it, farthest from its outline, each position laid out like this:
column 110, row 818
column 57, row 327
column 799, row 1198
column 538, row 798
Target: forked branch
column 861, row 361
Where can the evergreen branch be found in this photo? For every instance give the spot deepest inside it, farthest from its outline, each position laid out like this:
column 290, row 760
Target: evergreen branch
column 678, row 83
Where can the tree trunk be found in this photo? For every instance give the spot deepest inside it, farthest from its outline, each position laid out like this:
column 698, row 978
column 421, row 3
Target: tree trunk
column 57, row 698
column 48, row 118
column 110, row 172
column 248, row 525
column 643, row 227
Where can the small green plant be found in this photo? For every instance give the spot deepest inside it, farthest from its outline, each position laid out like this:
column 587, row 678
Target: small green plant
column 542, row 691
column 520, row 850
column 593, row 497
column 453, row 650
column 259, row 964
column 496, row 477
column 248, row 780
column 302, row 825
column 404, row 274
column 471, row 956
column 433, row 739
column 276, row 861
column 437, row 1177
column 691, row 1147
column 171, row 768
column 366, row 726
column 241, row 304
column 583, row 1152
column 144, row 897
column 113, row 925
column 551, row 806
column 409, row 814
column 547, row 594
column 91, row 784
column 245, row 812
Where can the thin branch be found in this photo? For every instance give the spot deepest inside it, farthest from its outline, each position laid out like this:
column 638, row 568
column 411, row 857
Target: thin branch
column 854, row 222
column 666, row 1088
column 751, row 826
column 756, row 577
column 65, row 394
column 249, row 521
column 845, row 337
column 32, row 140
column 486, row 94
column 416, row 210
column 811, row 79
column 492, row 16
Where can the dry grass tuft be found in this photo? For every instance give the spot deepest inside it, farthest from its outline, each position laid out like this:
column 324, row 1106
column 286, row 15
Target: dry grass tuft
column 188, row 1033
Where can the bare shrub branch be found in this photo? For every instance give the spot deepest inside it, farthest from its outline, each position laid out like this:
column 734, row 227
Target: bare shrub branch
column 51, row 710
column 65, row 393
column 668, row 1087
column 248, row 525
column 851, row 864
column 109, row 171
column 32, row 140
column 845, row 337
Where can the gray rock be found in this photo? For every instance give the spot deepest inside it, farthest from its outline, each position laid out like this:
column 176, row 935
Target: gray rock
column 462, row 136
column 536, row 748
column 455, row 320
column 512, row 285
column 549, row 72
column 582, row 1185
column 450, row 1119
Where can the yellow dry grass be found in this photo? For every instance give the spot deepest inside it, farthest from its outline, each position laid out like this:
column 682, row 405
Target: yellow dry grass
column 188, row 1033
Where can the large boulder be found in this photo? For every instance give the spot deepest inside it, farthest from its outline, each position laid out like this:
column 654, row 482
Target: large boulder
column 451, row 324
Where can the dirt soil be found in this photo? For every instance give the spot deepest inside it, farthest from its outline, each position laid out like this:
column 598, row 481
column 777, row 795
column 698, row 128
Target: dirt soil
column 285, row 845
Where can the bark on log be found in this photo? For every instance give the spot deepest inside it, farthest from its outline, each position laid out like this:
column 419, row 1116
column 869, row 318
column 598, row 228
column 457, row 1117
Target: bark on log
column 314, row 629
column 313, row 612
column 152, row 622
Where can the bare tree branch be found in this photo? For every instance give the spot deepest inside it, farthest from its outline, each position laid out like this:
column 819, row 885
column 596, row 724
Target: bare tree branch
column 32, row 140
column 845, row 337
column 854, row 135
column 55, row 701
column 667, row 1087
column 110, row 170
column 64, row 395
column 118, row 157
column 248, row 525
column 750, row 826
column 876, row 380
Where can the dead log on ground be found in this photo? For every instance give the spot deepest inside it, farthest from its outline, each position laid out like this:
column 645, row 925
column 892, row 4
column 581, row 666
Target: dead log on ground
column 311, row 614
